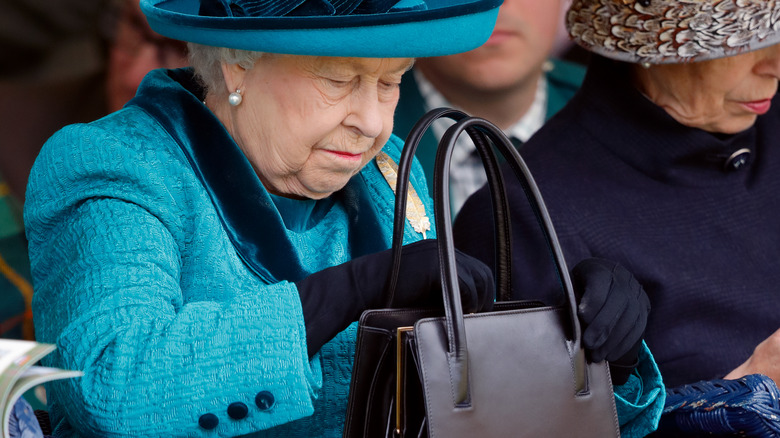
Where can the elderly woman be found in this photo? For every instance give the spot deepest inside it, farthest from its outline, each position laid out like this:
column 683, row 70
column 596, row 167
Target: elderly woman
column 203, row 254
column 668, row 161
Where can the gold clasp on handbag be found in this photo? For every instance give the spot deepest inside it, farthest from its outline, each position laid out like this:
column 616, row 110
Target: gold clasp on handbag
column 399, row 377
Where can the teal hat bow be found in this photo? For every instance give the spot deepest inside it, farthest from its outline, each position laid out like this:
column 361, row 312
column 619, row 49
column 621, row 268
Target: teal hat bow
column 354, row 28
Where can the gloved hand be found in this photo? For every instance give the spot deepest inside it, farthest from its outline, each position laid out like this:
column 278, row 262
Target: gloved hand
column 613, row 309
column 335, row 297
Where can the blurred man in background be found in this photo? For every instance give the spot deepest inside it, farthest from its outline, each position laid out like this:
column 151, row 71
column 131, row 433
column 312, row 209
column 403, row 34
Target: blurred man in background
column 510, row 81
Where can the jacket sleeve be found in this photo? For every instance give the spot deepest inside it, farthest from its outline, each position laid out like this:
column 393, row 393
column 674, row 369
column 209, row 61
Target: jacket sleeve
column 157, row 354
column 640, row 401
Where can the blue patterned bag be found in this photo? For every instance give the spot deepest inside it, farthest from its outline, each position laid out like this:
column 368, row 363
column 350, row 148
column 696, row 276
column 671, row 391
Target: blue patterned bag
column 745, row 407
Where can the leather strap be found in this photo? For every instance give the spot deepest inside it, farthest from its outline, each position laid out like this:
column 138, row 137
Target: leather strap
column 503, row 254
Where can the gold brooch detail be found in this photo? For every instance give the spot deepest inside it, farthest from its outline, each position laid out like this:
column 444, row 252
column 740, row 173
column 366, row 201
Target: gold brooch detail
column 415, row 210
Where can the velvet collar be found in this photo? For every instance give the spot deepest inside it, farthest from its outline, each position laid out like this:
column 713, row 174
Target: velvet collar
column 246, row 209
column 646, row 137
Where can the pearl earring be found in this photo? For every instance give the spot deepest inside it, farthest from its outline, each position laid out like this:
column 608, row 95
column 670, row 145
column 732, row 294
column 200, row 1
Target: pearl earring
column 235, row 98
column 646, row 65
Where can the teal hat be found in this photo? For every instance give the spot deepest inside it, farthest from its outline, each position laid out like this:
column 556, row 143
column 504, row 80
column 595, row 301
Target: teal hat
column 353, row 28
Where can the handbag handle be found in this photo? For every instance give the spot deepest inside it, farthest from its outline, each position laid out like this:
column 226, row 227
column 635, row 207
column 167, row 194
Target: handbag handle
column 481, row 130
column 450, row 288
column 503, row 248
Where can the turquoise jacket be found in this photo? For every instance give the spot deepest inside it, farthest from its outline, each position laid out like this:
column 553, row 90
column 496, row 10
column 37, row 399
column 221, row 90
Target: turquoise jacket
column 164, row 271
column 563, row 80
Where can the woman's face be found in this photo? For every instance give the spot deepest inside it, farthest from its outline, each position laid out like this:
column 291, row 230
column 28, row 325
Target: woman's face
column 308, row 124
column 723, row 95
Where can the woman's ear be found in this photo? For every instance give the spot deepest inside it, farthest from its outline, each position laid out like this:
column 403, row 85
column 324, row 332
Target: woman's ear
column 234, row 76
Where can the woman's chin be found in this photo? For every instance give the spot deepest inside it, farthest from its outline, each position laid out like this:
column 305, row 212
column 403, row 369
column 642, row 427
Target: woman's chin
column 322, row 188
column 735, row 125
column 725, row 124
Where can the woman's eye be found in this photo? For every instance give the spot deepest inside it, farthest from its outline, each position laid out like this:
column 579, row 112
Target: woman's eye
column 340, row 83
column 388, row 86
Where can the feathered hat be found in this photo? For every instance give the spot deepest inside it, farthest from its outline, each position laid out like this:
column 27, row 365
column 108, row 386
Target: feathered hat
column 673, row 31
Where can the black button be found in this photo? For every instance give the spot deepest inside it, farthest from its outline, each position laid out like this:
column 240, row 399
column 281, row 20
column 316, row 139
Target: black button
column 238, row 411
column 264, row 400
column 738, row 159
column 208, row 421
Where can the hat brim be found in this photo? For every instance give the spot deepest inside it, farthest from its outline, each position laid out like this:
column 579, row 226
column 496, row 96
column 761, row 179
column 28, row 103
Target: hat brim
column 446, row 27
column 671, row 31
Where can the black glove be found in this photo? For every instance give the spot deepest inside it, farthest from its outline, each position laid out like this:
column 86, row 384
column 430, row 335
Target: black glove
column 613, row 309
column 335, row 297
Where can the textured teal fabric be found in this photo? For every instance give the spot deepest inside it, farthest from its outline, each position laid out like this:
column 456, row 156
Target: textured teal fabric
column 640, row 401
column 140, row 286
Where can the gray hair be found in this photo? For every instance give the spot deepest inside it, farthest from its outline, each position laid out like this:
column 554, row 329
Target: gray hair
column 207, row 61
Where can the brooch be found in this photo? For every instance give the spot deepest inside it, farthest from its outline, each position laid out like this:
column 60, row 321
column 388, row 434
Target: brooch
column 415, row 210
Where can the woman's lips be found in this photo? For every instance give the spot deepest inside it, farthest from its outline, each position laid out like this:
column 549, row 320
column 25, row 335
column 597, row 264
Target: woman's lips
column 758, row 106
column 346, row 155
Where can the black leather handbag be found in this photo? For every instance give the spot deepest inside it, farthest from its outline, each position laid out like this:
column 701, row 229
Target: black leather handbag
column 516, row 371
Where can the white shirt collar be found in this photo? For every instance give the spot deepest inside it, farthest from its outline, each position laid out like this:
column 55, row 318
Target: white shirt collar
column 523, row 129
column 466, row 172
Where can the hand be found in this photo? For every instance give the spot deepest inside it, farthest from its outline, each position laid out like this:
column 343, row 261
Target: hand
column 335, row 297
column 764, row 360
column 419, row 282
column 613, row 310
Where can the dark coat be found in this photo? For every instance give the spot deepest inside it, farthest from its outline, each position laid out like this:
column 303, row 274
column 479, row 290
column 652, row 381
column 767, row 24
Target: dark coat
column 624, row 181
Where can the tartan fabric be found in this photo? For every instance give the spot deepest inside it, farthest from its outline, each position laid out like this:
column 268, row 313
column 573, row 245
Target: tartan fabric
column 15, row 280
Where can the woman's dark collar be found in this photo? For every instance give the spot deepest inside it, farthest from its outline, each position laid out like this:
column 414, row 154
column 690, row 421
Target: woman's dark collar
column 647, row 137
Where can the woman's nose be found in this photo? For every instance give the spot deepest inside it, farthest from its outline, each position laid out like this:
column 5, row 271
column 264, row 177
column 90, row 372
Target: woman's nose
column 365, row 113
